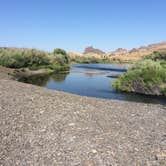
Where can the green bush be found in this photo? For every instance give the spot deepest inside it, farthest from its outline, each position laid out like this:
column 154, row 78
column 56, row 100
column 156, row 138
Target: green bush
column 61, row 57
column 157, row 56
column 144, row 76
column 23, row 58
column 87, row 60
column 34, row 59
column 55, row 68
column 59, row 51
column 13, row 60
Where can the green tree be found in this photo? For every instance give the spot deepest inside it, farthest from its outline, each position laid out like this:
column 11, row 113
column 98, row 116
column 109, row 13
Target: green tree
column 59, row 51
column 61, row 56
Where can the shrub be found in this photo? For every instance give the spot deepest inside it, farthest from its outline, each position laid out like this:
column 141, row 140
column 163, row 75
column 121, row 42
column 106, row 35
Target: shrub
column 32, row 58
column 59, row 51
column 61, row 56
column 23, row 58
column 144, row 76
column 55, row 68
column 157, row 56
column 88, row 60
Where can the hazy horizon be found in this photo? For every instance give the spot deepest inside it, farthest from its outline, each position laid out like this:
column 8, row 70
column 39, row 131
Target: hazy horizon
column 106, row 25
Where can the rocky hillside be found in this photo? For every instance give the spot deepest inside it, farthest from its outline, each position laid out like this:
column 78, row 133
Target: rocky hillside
column 75, row 54
column 136, row 53
column 90, row 50
column 122, row 54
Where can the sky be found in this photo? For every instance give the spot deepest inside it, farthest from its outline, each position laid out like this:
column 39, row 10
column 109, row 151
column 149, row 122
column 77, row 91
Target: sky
column 76, row 24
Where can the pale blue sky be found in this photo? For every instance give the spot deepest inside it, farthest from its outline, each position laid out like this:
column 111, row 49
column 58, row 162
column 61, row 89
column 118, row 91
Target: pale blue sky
column 75, row 24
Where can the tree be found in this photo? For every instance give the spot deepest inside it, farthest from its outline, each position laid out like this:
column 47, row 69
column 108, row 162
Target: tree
column 59, row 51
column 61, row 56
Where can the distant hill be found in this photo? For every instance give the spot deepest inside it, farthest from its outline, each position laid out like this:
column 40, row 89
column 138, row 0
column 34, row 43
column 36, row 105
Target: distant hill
column 136, row 53
column 74, row 54
column 122, row 54
column 90, row 50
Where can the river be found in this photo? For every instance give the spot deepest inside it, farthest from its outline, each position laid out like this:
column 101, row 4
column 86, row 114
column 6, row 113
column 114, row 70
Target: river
column 93, row 80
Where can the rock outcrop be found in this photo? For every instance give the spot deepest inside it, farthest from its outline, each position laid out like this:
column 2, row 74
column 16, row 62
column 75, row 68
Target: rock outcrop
column 136, row 54
column 90, row 50
column 120, row 51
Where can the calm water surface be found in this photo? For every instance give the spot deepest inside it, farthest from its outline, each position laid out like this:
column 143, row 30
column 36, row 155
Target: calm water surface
column 90, row 80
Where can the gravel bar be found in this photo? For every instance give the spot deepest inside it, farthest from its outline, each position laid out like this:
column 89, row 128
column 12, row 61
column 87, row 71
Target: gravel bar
column 41, row 127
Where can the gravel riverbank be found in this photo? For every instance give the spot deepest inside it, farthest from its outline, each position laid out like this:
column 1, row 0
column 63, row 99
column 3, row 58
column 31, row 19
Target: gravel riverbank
column 44, row 127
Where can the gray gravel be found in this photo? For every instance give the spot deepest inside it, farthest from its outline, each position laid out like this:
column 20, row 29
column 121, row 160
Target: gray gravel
column 41, row 127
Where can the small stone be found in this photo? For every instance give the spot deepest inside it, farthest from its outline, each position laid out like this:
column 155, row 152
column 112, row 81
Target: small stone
column 41, row 112
column 94, row 151
column 161, row 155
column 58, row 154
column 71, row 124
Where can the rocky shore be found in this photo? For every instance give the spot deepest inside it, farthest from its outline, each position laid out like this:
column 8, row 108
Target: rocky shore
column 44, row 127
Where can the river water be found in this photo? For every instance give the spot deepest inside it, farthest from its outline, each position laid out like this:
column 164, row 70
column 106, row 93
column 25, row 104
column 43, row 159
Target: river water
column 93, row 80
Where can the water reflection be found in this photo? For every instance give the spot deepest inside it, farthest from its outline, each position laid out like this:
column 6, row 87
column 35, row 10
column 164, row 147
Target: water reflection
column 59, row 77
column 42, row 80
column 88, row 82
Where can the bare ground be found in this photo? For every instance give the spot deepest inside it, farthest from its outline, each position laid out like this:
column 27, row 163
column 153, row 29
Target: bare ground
column 43, row 127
